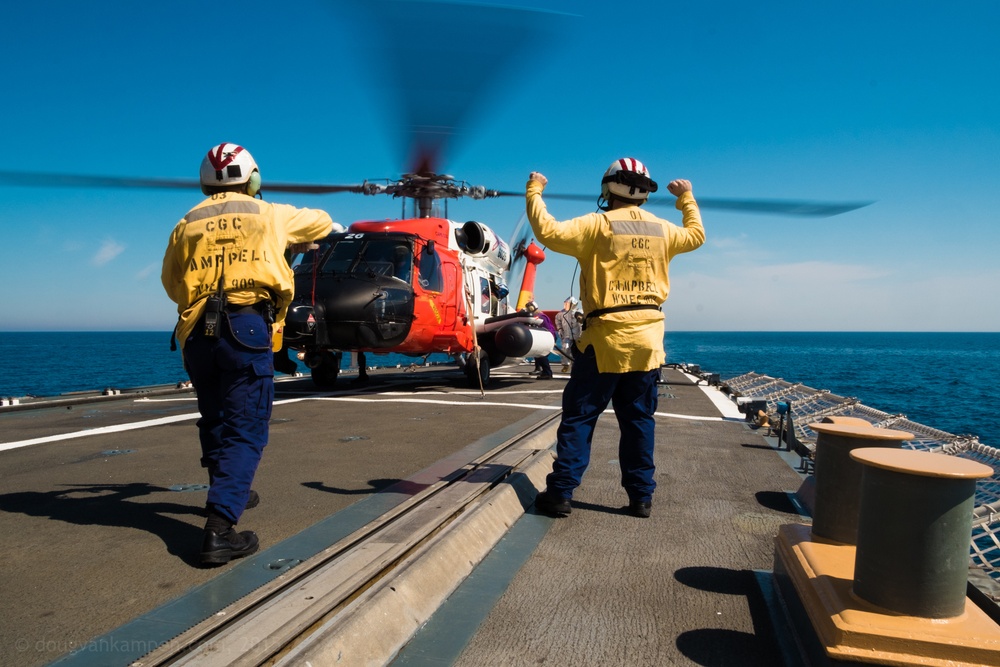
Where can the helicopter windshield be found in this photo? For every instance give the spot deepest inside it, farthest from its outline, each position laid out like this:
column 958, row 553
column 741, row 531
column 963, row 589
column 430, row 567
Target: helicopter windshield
column 342, row 257
column 372, row 257
column 304, row 262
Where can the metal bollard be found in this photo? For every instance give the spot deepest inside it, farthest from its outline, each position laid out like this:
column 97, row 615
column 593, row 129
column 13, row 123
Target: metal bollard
column 838, row 477
column 914, row 530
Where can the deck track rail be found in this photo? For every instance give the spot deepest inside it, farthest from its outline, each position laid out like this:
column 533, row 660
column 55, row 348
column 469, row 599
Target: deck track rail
column 266, row 624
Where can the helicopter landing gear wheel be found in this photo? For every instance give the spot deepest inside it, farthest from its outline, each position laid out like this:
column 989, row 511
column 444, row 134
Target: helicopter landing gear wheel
column 483, row 374
column 325, row 373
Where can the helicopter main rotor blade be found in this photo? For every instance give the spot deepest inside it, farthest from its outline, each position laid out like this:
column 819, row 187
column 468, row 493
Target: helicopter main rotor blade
column 793, row 208
column 805, row 209
column 443, row 59
column 37, row 179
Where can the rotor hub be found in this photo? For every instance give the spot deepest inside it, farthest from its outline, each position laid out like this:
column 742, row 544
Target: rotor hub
column 428, row 186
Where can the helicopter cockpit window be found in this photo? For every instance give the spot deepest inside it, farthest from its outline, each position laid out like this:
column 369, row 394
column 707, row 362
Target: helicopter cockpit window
column 303, row 262
column 342, row 257
column 387, row 258
column 372, row 257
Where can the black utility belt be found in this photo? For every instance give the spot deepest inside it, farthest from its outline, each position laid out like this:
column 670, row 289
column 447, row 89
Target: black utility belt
column 617, row 309
column 260, row 308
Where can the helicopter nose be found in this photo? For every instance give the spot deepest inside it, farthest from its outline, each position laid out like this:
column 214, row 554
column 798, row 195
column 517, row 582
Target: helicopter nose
column 364, row 313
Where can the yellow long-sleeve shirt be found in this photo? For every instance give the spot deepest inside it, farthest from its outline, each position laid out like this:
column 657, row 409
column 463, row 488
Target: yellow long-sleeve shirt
column 624, row 256
column 247, row 238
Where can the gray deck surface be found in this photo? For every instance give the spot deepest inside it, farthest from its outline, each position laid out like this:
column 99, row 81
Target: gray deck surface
column 93, row 541
column 605, row 588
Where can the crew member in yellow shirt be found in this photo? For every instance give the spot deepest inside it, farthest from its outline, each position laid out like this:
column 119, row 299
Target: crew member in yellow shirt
column 624, row 253
column 225, row 268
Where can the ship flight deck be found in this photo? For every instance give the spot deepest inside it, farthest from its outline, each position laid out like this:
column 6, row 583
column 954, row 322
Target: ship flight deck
column 102, row 512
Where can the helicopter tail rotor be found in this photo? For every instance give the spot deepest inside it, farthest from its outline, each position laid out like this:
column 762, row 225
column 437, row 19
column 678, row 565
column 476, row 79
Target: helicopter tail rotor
column 518, row 245
column 526, row 255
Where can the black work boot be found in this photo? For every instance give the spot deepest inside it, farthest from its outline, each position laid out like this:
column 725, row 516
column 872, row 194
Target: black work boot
column 548, row 503
column 219, row 548
column 640, row 508
column 221, row 543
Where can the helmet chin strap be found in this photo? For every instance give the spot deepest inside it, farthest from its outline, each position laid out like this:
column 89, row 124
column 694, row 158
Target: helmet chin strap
column 605, row 204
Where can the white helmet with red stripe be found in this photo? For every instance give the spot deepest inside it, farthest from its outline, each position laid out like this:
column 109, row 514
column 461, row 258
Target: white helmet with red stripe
column 227, row 165
column 627, row 179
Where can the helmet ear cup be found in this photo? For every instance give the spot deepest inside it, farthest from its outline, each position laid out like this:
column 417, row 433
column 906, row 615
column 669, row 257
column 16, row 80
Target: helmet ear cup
column 253, row 185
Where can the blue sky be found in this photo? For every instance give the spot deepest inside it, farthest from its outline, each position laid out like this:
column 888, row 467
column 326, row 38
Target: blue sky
column 892, row 102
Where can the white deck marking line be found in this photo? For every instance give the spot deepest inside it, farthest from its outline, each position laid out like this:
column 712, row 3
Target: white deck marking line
column 434, row 392
column 355, row 399
column 467, row 393
column 695, row 418
column 132, row 426
column 724, row 404
column 102, row 430
column 498, row 404
column 371, row 398
column 118, row 428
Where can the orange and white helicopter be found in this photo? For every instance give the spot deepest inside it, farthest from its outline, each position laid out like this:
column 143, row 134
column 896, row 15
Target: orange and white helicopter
column 418, row 285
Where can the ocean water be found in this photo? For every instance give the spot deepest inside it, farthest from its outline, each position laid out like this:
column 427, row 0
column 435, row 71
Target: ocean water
column 947, row 381
column 50, row 363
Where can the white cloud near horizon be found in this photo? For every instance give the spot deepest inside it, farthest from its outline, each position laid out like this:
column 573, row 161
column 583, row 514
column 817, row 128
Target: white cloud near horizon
column 145, row 271
column 108, row 251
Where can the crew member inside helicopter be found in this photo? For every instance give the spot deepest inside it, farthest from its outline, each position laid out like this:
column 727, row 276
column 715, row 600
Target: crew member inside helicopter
column 389, row 259
column 225, row 268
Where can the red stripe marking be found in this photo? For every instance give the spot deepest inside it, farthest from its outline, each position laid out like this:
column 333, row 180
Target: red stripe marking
column 216, row 158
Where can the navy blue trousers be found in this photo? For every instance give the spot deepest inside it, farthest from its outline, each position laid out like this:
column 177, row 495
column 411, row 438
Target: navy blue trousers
column 233, row 376
column 633, row 396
